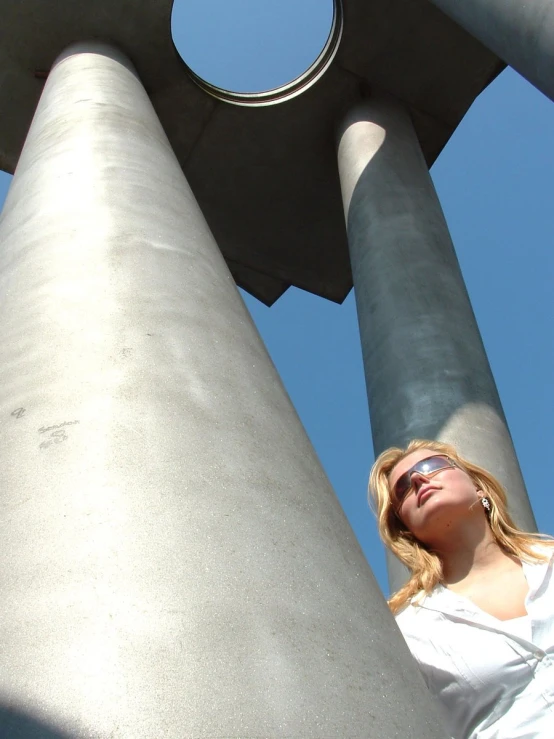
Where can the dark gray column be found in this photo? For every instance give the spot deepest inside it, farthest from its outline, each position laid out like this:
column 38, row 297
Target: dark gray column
column 521, row 33
column 174, row 561
column 426, row 369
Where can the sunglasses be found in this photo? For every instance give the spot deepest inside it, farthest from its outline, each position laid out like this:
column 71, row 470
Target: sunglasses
column 427, row 467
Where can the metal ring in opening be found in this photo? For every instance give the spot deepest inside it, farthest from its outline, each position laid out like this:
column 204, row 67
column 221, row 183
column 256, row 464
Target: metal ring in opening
column 291, row 89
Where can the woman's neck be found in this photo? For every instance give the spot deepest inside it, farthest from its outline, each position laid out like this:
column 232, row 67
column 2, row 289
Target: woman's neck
column 493, row 580
column 475, row 554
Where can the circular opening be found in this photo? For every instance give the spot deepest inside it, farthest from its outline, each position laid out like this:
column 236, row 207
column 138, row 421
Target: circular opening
column 256, row 52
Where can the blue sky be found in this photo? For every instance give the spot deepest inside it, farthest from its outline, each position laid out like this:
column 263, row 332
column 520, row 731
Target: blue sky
column 494, row 180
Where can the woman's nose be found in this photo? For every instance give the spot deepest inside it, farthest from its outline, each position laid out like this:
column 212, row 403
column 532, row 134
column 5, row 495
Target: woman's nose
column 418, row 478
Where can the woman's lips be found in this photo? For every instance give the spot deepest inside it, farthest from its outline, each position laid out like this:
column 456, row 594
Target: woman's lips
column 424, row 493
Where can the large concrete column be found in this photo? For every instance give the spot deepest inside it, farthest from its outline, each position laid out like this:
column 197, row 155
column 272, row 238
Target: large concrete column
column 426, row 369
column 521, row 33
column 174, row 562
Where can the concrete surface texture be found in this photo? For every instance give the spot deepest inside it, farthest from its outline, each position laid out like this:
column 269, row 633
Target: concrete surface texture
column 520, row 33
column 427, row 373
column 174, row 560
column 265, row 178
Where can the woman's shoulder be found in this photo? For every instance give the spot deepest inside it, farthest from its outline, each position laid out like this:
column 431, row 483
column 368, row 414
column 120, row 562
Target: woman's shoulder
column 543, row 549
column 540, row 553
column 405, row 617
column 412, row 613
column 419, row 626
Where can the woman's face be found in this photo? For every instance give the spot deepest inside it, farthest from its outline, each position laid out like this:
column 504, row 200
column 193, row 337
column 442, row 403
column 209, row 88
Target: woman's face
column 435, row 503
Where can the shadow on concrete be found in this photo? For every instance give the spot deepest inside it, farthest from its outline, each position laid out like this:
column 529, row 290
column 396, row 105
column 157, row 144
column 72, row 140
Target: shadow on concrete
column 17, row 724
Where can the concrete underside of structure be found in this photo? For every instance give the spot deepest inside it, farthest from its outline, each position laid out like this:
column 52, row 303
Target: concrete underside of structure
column 266, row 178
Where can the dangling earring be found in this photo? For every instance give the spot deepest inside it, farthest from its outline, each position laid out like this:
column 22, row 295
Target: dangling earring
column 485, row 502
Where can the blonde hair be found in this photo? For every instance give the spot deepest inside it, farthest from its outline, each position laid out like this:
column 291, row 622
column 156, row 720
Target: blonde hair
column 425, row 565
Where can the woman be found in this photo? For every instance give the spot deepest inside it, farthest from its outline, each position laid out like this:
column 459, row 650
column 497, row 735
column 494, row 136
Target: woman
column 478, row 609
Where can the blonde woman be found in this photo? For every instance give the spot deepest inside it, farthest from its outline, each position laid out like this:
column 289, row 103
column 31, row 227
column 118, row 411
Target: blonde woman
column 478, row 609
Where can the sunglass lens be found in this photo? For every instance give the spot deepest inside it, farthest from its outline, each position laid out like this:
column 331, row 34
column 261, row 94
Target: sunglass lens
column 402, row 487
column 430, row 465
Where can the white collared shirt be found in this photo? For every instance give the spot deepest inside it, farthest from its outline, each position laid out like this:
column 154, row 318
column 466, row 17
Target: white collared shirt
column 491, row 682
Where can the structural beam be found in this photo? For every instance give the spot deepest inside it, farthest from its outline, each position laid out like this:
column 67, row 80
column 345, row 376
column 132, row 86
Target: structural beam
column 521, row 33
column 427, row 373
column 174, row 561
